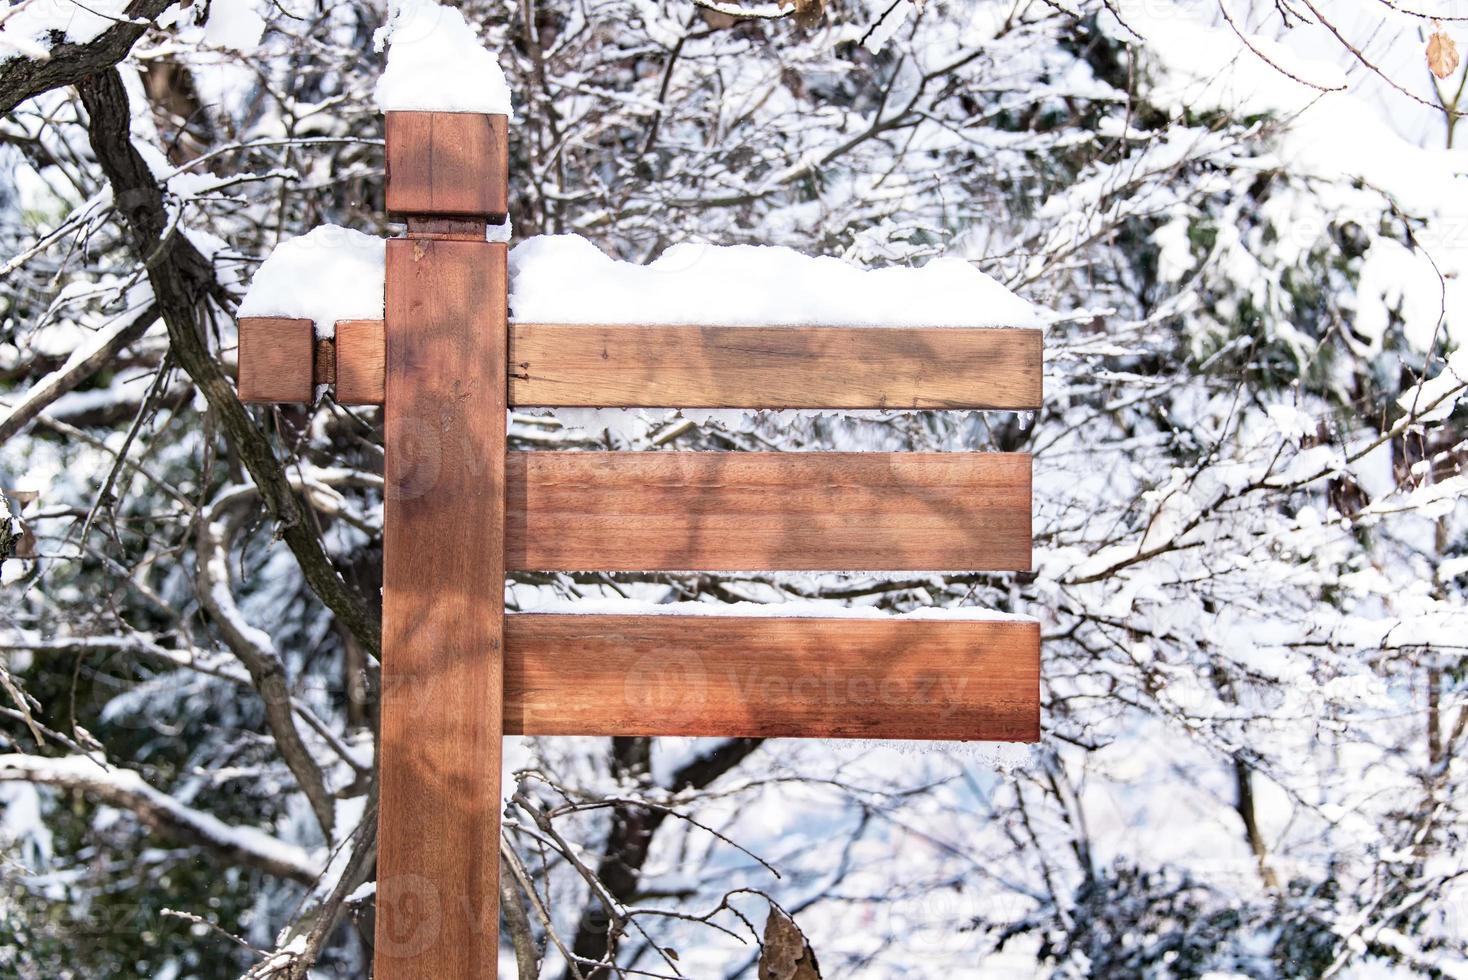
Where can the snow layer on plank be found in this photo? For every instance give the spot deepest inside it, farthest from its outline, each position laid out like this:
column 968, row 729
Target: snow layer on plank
column 30, row 29
column 792, row 609
column 881, row 757
column 750, row 285
column 328, row 274
column 657, row 426
column 1004, row 756
column 436, row 63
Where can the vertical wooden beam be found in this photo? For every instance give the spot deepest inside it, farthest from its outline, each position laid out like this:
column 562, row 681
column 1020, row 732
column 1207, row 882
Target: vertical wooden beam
column 443, row 606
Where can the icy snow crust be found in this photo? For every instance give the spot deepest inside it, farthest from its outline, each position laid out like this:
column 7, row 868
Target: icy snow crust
column 750, row 285
column 436, row 63
column 328, row 274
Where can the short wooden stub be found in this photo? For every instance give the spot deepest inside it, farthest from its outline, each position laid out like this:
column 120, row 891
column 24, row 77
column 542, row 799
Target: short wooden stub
column 361, row 366
column 443, row 595
column 275, row 357
column 447, row 164
column 711, row 511
column 774, row 678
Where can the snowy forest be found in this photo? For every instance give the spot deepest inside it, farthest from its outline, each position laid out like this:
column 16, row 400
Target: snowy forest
column 1244, row 225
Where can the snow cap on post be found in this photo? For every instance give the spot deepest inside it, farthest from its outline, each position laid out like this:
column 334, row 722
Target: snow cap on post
column 303, row 289
column 448, row 109
column 330, row 273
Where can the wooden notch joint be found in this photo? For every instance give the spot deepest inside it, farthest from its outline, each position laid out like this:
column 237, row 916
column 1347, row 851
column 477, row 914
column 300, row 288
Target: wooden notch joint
column 282, row 362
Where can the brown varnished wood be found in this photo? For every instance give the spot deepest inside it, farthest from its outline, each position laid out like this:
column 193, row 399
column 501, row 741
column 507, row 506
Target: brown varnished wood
column 772, row 678
column 761, row 367
column 323, row 361
column 275, row 356
column 360, row 362
column 452, row 229
column 447, row 164
column 774, row 367
column 443, row 589
column 696, row 511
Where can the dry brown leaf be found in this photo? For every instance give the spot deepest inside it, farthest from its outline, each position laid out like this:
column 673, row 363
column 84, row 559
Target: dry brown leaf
column 22, row 545
column 784, row 954
column 1442, row 54
column 808, row 13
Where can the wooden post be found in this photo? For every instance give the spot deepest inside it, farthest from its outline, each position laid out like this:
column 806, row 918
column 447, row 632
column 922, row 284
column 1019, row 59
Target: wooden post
column 443, row 566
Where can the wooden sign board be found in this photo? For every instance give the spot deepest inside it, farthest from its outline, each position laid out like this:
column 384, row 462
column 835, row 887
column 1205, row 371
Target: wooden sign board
column 460, row 510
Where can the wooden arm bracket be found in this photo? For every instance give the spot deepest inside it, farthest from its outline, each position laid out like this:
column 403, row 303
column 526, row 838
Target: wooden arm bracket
column 661, row 366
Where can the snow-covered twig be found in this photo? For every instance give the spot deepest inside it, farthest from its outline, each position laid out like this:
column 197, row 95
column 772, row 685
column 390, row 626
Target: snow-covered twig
column 126, row 790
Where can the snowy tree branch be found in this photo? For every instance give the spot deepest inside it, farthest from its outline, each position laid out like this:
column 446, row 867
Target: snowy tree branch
column 126, row 790
column 24, row 78
column 183, row 286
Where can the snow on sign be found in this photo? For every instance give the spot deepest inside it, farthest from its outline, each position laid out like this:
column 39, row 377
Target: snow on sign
column 422, row 325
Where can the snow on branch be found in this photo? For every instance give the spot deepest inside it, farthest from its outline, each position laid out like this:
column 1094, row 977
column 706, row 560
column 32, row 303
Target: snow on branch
column 98, row 353
column 126, row 790
column 93, row 36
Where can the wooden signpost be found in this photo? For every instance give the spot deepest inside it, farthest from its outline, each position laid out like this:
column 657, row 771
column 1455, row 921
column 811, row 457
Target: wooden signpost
column 460, row 510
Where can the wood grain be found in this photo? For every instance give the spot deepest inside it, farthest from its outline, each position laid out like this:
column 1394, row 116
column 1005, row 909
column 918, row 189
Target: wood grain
column 323, row 361
column 761, row 367
column 360, row 362
column 772, row 678
column 275, row 357
column 697, row 511
column 445, row 164
column 774, row 367
column 442, row 610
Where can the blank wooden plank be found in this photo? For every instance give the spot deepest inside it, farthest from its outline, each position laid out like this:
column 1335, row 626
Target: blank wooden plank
column 360, row 362
column 275, row 356
column 753, row 367
column 773, row 678
column 774, row 367
column 442, row 608
column 698, row 511
column 445, row 164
